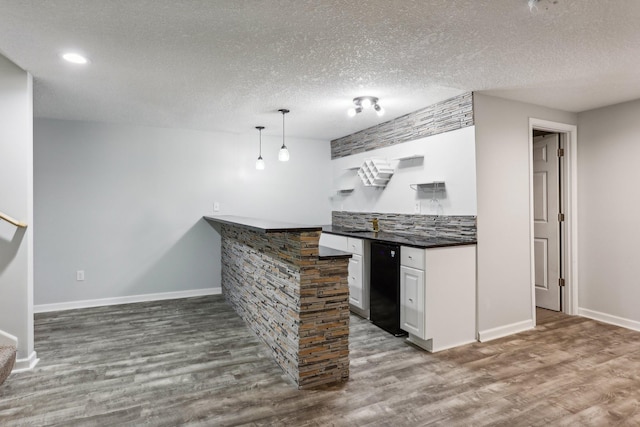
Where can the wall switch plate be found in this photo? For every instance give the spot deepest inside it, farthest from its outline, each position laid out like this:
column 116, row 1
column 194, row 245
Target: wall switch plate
column 80, row 275
column 216, row 206
column 416, row 209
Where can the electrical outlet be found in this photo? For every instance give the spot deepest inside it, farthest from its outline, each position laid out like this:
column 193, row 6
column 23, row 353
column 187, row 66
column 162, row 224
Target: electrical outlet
column 80, row 275
column 216, row 206
column 416, row 209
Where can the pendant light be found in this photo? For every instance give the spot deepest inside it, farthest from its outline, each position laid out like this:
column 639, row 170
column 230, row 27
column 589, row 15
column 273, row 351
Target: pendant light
column 260, row 161
column 283, row 155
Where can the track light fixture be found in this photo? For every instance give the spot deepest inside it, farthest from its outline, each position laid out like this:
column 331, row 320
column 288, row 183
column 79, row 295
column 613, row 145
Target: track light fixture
column 283, row 154
column 260, row 161
column 364, row 102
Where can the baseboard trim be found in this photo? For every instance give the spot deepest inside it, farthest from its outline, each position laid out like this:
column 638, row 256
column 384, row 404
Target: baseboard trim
column 609, row 318
column 72, row 305
column 7, row 339
column 503, row 331
column 25, row 364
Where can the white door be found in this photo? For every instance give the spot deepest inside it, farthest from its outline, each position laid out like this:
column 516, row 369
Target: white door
column 355, row 281
column 412, row 301
column 546, row 208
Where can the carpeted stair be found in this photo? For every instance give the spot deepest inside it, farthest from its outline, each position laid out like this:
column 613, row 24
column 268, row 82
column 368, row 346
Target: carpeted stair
column 7, row 359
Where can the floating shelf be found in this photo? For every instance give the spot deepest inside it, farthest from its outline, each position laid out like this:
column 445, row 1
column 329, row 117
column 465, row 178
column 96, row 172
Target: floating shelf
column 429, row 186
column 375, row 173
column 352, row 168
column 344, row 190
column 411, row 157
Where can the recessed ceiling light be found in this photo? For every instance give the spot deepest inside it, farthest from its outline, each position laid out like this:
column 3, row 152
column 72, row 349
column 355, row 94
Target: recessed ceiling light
column 74, row 58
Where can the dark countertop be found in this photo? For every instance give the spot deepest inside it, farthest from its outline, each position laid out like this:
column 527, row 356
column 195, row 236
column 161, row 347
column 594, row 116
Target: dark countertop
column 262, row 225
column 266, row 226
column 422, row 242
column 330, row 253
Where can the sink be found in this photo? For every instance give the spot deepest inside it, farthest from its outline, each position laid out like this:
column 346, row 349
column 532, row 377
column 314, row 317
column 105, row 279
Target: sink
column 358, row 231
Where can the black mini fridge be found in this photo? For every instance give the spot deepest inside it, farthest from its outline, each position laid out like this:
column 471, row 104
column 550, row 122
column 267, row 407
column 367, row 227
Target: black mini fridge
column 384, row 302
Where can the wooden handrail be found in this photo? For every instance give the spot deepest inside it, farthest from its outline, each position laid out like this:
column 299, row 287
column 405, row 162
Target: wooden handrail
column 13, row 221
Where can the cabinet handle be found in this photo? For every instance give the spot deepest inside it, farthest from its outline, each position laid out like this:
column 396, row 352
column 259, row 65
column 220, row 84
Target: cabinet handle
column 410, row 257
column 410, row 300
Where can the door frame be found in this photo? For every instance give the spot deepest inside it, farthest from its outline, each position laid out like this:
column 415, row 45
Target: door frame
column 569, row 235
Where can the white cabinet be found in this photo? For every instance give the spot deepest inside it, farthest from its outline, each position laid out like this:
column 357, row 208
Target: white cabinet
column 355, row 246
column 334, row 242
column 438, row 296
column 355, row 281
column 358, row 272
column 412, row 300
column 358, row 276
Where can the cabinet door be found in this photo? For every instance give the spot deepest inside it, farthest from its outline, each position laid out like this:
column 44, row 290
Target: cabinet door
column 355, row 246
column 412, row 301
column 355, row 281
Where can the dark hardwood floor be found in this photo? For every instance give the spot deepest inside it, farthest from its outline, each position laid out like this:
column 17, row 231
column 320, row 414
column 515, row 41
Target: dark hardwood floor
column 193, row 362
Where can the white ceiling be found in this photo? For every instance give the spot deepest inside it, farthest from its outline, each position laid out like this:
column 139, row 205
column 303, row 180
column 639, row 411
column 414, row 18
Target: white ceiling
column 229, row 65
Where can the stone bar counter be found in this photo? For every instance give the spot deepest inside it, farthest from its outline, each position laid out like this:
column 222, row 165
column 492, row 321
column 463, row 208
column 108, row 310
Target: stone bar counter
column 292, row 293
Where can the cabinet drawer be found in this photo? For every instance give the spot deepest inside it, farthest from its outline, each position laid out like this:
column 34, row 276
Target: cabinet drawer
column 355, row 246
column 334, row 242
column 412, row 257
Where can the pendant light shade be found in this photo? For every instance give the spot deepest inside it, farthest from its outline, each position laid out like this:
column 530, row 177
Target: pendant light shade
column 260, row 161
column 283, row 154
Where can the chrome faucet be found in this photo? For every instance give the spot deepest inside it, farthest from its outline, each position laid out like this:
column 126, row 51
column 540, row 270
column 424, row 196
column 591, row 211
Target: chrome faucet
column 376, row 226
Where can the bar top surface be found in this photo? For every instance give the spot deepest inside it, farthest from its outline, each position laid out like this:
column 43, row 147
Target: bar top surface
column 405, row 239
column 263, row 225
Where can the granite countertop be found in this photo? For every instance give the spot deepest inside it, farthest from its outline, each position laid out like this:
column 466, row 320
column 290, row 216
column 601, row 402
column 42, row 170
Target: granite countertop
column 330, row 253
column 266, row 226
column 403, row 239
column 262, row 225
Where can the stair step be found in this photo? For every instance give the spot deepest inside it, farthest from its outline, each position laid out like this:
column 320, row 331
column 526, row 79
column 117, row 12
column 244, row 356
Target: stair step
column 7, row 359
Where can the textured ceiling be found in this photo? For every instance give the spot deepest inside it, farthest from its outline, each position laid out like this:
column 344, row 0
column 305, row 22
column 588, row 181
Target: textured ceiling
column 229, row 65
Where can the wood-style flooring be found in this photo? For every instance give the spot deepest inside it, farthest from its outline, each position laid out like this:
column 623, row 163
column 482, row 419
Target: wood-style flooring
column 193, row 362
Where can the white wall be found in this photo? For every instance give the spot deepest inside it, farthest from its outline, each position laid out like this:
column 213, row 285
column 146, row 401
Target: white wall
column 125, row 203
column 448, row 157
column 16, row 200
column 609, row 208
column 504, row 247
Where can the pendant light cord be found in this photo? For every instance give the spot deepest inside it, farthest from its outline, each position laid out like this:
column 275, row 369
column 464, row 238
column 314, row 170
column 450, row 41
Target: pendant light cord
column 283, row 111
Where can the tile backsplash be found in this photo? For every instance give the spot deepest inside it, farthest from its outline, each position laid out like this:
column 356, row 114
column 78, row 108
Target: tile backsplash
column 461, row 227
column 445, row 116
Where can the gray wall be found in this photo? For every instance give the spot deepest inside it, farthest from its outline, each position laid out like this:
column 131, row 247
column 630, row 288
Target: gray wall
column 504, row 244
column 16, row 200
column 609, row 207
column 448, row 157
column 125, row 203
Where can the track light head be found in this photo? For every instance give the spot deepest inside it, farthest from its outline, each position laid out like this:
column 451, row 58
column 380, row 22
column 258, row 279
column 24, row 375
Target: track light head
column 363, row 102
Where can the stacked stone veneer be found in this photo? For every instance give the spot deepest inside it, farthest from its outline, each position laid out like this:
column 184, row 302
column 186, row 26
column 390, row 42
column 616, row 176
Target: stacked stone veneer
column 462, row 227
column 445, row 116
column 295, row 302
